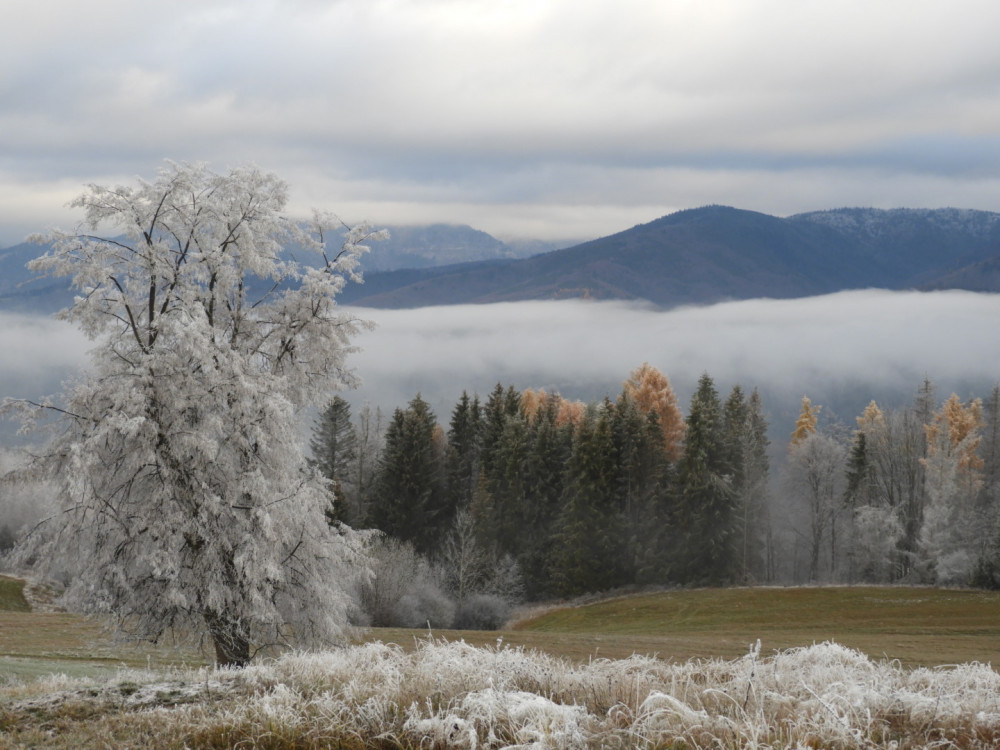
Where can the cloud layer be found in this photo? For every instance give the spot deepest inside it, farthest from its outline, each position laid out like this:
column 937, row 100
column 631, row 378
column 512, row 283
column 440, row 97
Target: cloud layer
column 841, row 350
column 552, row 119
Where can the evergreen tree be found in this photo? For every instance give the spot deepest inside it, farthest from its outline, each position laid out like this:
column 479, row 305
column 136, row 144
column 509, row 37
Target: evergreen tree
column 641, row 484
column 746, row 438
column 502, row 404
column 464, row 446
column 549, row 447
column 497, row 494
column 587, row 554
column 334, row 449
column 704, row 508
column 408, row 502
column 508, row 487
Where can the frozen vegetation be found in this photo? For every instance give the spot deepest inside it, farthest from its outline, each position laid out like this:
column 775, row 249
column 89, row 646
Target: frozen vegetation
column 452, row 695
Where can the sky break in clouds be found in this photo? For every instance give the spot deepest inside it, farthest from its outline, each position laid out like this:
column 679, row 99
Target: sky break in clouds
column 551, row 119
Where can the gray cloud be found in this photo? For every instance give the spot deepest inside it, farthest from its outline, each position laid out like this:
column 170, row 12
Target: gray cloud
column 490, row 113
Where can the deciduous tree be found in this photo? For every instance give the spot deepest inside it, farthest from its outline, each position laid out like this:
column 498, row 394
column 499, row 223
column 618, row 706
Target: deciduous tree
column 188, row 504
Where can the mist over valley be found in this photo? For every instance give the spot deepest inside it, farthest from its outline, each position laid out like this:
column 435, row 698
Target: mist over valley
column 842, row 350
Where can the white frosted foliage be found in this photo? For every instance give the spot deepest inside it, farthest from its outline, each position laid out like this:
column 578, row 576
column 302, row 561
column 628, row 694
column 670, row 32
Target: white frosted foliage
column 452, row 695
column 187, row 500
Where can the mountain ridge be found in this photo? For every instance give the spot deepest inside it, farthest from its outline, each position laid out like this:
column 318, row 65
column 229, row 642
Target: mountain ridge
column 694, row 256
column 714, row 253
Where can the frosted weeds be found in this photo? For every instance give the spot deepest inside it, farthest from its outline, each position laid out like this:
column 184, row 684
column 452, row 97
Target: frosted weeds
column 452, row 695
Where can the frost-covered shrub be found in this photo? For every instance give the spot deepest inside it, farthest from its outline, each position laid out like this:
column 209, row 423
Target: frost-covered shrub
column 468, row 569
column 482, row 612
column 402, row 591
column 22, row 503
column 425, row 606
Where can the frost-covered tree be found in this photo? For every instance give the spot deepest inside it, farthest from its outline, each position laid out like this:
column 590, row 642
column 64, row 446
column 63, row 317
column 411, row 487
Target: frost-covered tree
column 988, row 565
column 885, row 481
column 952, row 534
column 188, row 504
column 814, row 477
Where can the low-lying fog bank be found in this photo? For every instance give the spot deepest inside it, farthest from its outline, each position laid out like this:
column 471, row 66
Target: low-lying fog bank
column 841, row 349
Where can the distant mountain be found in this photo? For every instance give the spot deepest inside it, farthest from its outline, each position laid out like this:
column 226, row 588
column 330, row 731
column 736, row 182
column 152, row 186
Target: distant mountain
column 930, row 243
column 435, row 245
column 716, row 253
column 697, row 256
column 408, row 247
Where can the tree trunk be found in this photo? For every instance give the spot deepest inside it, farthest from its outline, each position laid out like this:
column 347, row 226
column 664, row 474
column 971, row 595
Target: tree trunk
column 231, row 640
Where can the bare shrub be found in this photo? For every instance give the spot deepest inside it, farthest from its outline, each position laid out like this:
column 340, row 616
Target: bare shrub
column 482, row 612
column 402, row 590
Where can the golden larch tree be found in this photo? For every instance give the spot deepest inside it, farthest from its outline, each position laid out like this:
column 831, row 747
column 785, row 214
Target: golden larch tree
column 805, row 425
column 652, row 392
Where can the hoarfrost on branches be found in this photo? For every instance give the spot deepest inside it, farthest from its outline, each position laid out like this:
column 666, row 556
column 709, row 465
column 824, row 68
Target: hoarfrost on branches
column 188, row 505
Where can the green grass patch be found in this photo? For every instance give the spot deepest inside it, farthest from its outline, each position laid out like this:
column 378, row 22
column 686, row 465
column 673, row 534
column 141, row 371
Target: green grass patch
column 12, row 595
column 924, row 626
column 917, row 626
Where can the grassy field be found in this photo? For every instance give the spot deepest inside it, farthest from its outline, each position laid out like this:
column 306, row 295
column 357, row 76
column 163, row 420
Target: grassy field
column 572, row 685
column 916, row 626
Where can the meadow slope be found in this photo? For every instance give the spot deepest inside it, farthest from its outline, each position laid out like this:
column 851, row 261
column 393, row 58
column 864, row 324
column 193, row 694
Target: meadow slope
column 548, row 682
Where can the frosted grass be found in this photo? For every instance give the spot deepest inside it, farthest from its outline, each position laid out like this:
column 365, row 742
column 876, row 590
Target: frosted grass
column 452, row 695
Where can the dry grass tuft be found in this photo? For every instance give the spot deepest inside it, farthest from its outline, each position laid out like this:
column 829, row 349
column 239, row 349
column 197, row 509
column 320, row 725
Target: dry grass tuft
column 452, row 695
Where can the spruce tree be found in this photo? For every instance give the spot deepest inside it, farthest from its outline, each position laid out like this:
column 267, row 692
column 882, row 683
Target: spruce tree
column 642, row 470
column 759, row 557
column 464, row 447
column 549, row 448
column 334, row 448
column 408, row 503
column 704, row 509
column 746, row 443
column 587, row 555
column 498, row 466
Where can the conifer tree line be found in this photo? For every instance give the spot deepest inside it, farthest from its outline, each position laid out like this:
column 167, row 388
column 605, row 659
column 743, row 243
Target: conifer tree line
column 564, row 497
column 567, row 498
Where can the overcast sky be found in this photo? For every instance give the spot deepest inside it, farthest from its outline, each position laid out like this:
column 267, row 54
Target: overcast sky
column 524, row 118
